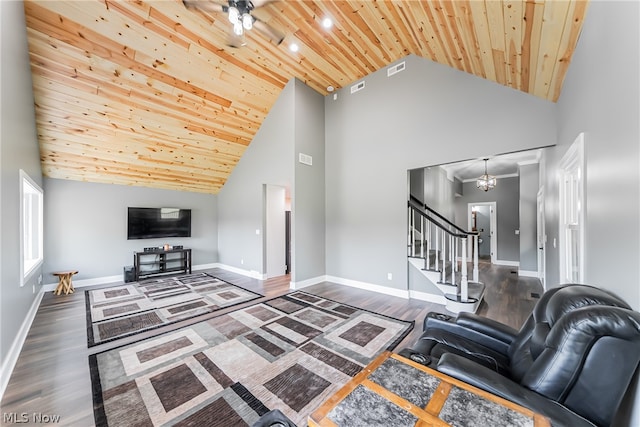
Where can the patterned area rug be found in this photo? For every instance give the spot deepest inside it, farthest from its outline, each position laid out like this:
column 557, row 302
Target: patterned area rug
column 131, row 308
column 289, row 353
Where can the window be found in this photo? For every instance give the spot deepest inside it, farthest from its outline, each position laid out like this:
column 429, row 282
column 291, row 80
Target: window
column 31, row 227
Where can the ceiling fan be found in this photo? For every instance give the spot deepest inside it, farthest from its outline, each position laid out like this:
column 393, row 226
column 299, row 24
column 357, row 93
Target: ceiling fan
column 239, row 14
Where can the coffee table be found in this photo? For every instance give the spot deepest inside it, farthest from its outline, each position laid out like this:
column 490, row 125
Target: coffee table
column 395, row 391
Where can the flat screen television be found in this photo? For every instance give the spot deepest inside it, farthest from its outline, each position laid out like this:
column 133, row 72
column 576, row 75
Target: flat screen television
column 152, row 223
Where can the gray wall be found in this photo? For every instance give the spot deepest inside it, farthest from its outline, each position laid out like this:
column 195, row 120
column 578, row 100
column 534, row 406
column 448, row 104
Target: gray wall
column 18, row 150
column 294, row 125
column 506, row 195
column 416, row 183
column 439, row 191
column 529, row 184
column 308, row 201
column 86, row 226
column 601, row 97
column 268, row 160
column 428, row 114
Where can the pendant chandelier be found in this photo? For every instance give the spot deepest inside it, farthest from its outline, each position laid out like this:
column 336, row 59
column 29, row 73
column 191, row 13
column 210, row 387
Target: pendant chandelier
column 486, row 182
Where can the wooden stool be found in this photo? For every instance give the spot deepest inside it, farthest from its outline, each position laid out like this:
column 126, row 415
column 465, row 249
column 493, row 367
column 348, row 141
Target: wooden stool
column 64, row 282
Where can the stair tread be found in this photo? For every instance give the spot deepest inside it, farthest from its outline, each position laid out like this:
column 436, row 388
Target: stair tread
column 475, row 290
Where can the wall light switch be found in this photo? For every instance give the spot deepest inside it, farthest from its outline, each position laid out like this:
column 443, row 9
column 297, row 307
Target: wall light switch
column 389, row 276
column 258, row 231
column 517, row 232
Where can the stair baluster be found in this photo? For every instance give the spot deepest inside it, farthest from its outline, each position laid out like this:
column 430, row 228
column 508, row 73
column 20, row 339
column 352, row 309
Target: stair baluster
column 475, row 258
column 452, row 259
column 464, row 284
column 427, row 260
column 422, row 237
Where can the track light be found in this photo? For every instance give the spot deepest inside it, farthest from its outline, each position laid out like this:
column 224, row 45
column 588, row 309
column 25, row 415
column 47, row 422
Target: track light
column 234, row 15
column 247, row 21
column 237, row 28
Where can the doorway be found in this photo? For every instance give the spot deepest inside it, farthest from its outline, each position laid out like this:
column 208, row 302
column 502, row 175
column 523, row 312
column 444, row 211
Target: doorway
column 274, row 242
column 483, row 219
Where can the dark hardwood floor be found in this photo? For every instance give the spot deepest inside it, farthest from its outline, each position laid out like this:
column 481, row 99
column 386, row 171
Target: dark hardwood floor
column 51, row 376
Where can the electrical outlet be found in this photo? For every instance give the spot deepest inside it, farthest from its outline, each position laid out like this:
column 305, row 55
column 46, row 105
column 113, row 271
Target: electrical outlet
column 242, row 261
column 389, row 276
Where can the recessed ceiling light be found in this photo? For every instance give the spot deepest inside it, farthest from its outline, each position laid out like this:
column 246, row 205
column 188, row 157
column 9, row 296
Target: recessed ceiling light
column 293, row 47
column 327, row 23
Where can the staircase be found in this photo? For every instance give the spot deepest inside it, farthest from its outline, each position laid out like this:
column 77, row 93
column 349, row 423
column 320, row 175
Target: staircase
column 438, row 249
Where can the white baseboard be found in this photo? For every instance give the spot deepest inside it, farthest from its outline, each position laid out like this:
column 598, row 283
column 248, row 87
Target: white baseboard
column 402, row 293
column 507, row 263
column 308, row 282
column 249, row 273
column 16, row 347
column 83, row 283
column 425, row 296
column 204, row 266
column 528, row 273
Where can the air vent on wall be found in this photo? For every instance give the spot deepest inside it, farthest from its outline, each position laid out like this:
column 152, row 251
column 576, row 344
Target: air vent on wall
column 395, row 69
column 305, row 159
column 357, row 87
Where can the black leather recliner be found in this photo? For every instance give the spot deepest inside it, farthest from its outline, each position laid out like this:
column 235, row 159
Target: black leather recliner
column 571, row 361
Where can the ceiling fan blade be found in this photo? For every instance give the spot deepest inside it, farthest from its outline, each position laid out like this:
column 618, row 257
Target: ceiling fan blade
column 268, row 31
column 260, row 3
column 205, row 5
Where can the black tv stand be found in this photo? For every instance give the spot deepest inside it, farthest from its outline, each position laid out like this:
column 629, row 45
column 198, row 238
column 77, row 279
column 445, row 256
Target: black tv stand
column 155, row 263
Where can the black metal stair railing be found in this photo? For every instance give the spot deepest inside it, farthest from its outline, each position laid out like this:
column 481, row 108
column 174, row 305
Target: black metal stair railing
column 431, row 233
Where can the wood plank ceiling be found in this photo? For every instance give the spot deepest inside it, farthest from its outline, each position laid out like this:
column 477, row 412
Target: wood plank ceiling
column 148, row 93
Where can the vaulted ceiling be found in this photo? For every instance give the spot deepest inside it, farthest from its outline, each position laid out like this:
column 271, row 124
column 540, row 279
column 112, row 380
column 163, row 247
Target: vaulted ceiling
column 149, row 93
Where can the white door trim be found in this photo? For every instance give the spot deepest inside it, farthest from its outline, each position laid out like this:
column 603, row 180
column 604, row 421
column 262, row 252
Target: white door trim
column 493, row 221
column 541, row 237
column 572, row 207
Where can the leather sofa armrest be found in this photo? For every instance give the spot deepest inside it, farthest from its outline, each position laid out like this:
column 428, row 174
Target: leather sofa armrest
column 488, row 380
column 488, row 327
column 473, row 331
column 434, row 319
